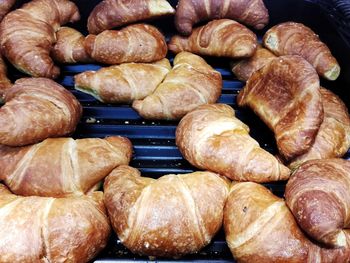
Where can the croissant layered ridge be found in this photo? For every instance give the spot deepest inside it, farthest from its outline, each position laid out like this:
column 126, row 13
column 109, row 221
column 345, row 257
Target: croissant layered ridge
column 62, row 166
column 286, row 95
column 172, row 216
column 249, row 12
column 212, row 138
column 27, row 35
column 36, row 109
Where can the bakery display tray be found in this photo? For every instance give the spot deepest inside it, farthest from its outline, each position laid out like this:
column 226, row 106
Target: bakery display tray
column 155, row 152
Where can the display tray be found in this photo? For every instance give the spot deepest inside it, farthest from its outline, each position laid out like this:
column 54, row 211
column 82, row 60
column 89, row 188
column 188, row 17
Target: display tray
column 155, row 152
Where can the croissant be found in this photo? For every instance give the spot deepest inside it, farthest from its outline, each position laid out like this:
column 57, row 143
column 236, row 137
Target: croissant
column 318, row 196
column 27, row 35
column 36, row 109
column 41, row 229
column 169, row 217
column 5, row 6
column 212, row 138
column 115, row 13
column 62, row 166
column 123, row 83
column 333, row 137
column 135, row 43
column 69, row 47
column 222, row 38
column 249, row 12
column 190, row 83
column 244, row 68
column 5, row 83
column 260, row 228
column 297, row 39
column 285, row 94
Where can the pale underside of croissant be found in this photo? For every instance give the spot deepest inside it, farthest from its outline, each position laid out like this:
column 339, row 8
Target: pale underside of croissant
column 27, row 35
column 5, row 83
column 222, row 38
column 135, row 43
column 249, row 12
column 212, row 138
column 62, row 166
column 172, row 216
column 123, row 83
column 69, row 47
column 191, row 82
column 297, row 39
column 285, row 94
column 259, row 227
column 244, row 68
column 318, row 195
column 41, row 229
column 5, row 6
column 36, row 109
column 333, row 137
column 116, row 13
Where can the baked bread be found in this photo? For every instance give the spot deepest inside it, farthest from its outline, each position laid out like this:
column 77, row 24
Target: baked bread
column 62, row 166
column 5, row 83
column 212, row 138
column 286, row 95
column 123, row 83
column 5, row 6
column 28, row 34
column 318, row 196
column 36, row 109
column 333, row 137
column 115, row 13
column 169, row 217
column 249, row 12
column 292, row 38
column 42, row 229
column 243, row 69
column 135, row 43
column 191, row 82
column 221, row 38
column 259, row 227
column 69, row 47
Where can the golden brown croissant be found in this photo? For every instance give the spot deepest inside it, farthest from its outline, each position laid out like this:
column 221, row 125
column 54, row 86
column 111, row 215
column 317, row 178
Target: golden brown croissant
column 36, row 109
column 41, row 229
column 249, row 12
column 297, row 39
column 191, row 82
column 260, row 228
column 27, row 35
column 333, row 137
column 285, row 94
column 62, row 166
column 244, row 68
column 123, row 83
column 115, row 13
column 135, row 43
column 5, row 6
column 169, row 217
column 318, row 195
column 221, row 38
column 69, row 47
column 5, row 83
column 210, row 137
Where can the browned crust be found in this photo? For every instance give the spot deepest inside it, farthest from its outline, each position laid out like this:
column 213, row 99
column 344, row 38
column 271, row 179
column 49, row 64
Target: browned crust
column 285, row 94
column 145, row 212
column 36, row 109
column 249, row 12
column 222, row 38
